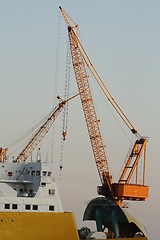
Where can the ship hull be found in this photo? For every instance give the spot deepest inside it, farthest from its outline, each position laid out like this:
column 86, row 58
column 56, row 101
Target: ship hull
column 37, row 226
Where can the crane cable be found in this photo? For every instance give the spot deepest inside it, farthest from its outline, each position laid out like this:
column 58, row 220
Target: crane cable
column 105, row 89
column 21, row 137
column 56, row 76
column 65, row 111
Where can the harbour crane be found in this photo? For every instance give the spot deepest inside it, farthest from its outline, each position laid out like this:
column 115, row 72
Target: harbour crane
column 124, row 189
column 43, row 130
column 39, row 135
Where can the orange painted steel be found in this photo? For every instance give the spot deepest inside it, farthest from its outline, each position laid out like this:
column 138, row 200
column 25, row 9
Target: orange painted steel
column 80, row 61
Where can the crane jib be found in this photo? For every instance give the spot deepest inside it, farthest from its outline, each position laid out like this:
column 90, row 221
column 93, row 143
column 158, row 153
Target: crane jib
column 42, row 131
column 91, row 118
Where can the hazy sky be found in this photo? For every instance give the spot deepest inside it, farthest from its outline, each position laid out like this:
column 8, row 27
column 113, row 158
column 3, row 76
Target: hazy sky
column 122, row 37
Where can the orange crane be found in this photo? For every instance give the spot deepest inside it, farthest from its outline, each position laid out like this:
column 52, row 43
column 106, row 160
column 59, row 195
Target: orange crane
column 42, row 131
column 3, row 154
column 38, row 136
column 124, row 189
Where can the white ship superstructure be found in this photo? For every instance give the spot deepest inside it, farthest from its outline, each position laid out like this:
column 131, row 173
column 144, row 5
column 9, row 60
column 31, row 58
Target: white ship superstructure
column 30, row 205
column 28, row 187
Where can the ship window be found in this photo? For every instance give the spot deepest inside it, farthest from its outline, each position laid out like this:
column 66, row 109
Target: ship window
column 43, row 184
column 10, row 174
column 44, row 173
column 30, row 191
column 51, row 208
column 21, row 190
column 28, row 207
column 33, row 172
column 7, row 206
column 49, row 174
column 35, row 207
column 14, row 206
column 38, row 173
column 51, row 191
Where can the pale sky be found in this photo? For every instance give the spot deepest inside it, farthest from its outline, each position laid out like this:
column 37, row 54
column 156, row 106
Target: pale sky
column 122, row 38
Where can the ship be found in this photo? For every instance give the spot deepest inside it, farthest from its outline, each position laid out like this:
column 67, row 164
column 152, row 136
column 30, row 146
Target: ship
column 30, row 205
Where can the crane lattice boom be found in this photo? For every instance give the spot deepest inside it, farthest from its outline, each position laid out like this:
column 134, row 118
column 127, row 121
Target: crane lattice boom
column 89, row 110
column 40, row 133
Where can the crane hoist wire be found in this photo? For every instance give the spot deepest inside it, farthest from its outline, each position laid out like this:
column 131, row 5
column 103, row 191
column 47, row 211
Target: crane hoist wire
column 43, row 129
column 21, row 138
column 111, row 111
column 57, row 60
column 104, row 89
column 56, row 77
column 25, row 132
column 65, row 111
